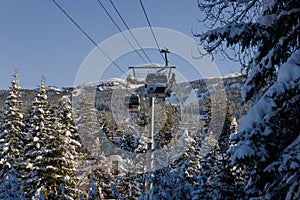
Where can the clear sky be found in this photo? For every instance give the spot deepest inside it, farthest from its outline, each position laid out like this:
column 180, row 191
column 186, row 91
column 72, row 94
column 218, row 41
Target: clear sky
column 37, row 38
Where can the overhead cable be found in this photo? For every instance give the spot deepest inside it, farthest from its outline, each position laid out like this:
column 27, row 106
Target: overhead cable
column 87, row 35
column 125, row 24
column 148, row 21
column 115, row 23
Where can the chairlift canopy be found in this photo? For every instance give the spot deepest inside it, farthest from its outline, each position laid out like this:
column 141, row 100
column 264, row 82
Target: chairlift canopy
column 157, row 78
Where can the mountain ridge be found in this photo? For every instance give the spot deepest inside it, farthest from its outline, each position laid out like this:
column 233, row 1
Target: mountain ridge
column 232, row 84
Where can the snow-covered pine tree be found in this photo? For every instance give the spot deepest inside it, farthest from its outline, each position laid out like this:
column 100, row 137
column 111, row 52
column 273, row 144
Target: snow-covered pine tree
column 87, row 121
column 97, row 180
column 162, row 185
column 205, row 182
column 129, row 185
column 179, row 179
column 69, row 160
column 264, row 36
column 186, row 169
column 216, row 180
column 40, row 135
column 223, row 182
column 11, row 144
column 164, row 136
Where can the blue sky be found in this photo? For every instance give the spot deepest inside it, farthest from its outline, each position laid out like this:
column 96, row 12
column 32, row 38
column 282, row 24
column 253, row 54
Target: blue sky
column 38, row 39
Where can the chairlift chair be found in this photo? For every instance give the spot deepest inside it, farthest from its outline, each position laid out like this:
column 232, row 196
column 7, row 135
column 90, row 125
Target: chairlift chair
column 132, row 103
column 157, row 85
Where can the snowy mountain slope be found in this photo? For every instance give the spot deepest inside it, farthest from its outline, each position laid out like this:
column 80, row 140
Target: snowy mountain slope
column 111, row 84
column 105, row 88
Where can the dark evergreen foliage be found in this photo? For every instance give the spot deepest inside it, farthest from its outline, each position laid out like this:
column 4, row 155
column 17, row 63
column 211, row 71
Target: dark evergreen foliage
column 264, row 37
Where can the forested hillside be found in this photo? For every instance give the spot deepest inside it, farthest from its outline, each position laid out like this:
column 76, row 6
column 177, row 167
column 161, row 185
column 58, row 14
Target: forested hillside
column 58, row 153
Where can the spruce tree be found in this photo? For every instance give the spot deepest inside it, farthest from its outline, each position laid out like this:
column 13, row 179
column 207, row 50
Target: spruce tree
column 164, row 136
column 96, row 181
column 162, row 185
column 186, row 170
column 39, row 137
column 223, row 182
column 87, row 120
column 129, row 185
column 11, row 144
column 69, row 160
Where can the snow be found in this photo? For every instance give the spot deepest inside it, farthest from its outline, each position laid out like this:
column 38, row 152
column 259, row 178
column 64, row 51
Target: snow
column 173, row 100
column 55, row 89
column 150, row 65
column 29, row 166
column 234, row 123
column 243, row 1
column 51, row 167
column 232, row 75
column 117, row 83
column 185, row 141
column 241, row 152
column 291, row 157
column 5, row 147
column 112, row 83
column 39, row 158
column 290, row 71
column 68, row 133
column 35, row 139
column 256, row 113
column 76, row 92
column 266, row 20
column 292, row 178
column 192, row 98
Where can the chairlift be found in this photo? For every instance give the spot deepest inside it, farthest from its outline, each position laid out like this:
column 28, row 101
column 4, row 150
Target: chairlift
column 133, row 80
column 132, row 103
column 157, row 85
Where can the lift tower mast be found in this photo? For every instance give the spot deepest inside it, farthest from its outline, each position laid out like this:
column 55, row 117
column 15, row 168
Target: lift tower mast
column 165, row 51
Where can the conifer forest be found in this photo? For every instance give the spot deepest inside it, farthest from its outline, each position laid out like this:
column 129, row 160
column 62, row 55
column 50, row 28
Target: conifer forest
column 241, row 142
